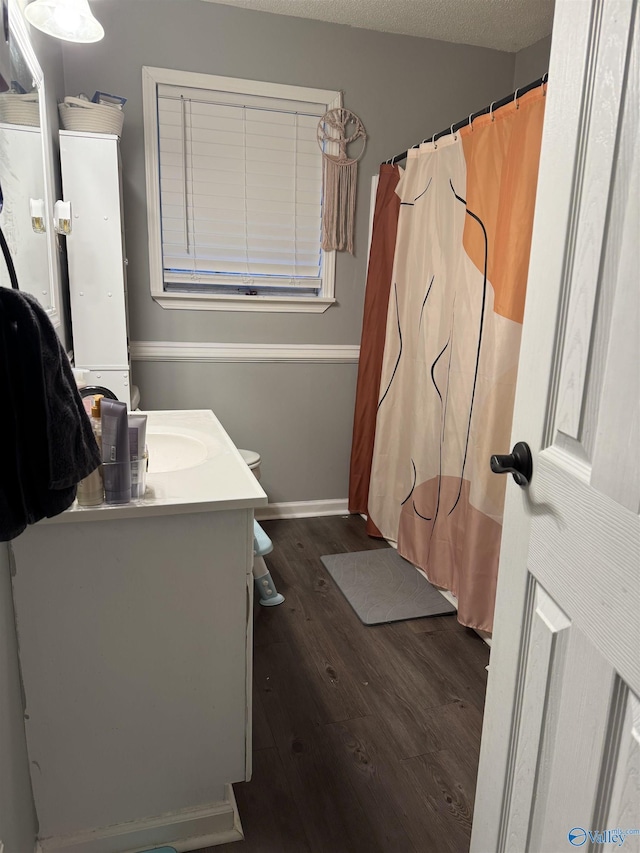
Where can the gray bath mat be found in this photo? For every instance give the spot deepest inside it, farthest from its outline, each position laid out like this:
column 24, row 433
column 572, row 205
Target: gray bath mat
column 382, row 587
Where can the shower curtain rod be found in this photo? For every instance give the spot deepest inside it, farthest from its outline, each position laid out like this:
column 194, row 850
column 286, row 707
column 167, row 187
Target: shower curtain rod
column 522, row 90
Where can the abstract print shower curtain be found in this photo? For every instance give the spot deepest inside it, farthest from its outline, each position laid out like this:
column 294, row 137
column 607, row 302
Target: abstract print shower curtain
column 376, row 302
column 451, row 349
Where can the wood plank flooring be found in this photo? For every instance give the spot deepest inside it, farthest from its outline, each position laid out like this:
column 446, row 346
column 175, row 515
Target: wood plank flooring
column 365, row 738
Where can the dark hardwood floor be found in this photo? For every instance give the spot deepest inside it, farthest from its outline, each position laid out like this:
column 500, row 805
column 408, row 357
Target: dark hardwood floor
column 365, row 738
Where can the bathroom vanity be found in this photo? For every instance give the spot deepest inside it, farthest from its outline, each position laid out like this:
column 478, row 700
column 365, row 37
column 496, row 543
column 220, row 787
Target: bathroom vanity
column 135, row 634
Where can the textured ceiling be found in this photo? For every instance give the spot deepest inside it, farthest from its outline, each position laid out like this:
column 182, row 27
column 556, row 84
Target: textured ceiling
column 501, row 24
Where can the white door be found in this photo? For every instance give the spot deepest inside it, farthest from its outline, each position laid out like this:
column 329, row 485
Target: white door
column 560, row 756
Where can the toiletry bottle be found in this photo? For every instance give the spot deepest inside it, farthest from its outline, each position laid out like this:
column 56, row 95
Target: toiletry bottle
column 138, row 454
column 115, row 452
column 96, row 421
column 91, row 489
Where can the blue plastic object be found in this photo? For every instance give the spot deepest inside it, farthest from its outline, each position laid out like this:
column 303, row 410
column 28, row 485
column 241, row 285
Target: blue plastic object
column 269, row 595
column 261, row 543
column 161, row 850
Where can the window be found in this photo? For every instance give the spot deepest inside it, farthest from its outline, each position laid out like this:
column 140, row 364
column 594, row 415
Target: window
column 234, row 193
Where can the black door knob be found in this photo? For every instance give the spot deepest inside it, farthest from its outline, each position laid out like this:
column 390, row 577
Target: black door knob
column 519, row 463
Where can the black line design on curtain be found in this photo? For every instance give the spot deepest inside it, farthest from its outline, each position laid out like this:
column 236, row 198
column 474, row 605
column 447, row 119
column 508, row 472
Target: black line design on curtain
column 424, row 190
column 413, row 485
column 424, row 301
column 423, row 517
column 446, row 396
column 411, row 203
column 395, row 289
column 435, row 385
column 475, row 376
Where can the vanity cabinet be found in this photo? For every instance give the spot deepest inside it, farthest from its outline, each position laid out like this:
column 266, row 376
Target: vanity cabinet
column 135, row 633
column 92, row 184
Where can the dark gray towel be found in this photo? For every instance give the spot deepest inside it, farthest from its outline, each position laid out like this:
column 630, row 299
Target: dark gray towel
column 46, row 442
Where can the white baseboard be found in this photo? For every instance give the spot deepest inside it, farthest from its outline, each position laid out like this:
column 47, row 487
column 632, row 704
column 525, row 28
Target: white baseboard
column 302, row 509
column 184, row 830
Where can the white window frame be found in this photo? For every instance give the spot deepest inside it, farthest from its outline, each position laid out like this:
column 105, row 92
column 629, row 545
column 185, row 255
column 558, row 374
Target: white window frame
column 151, row 78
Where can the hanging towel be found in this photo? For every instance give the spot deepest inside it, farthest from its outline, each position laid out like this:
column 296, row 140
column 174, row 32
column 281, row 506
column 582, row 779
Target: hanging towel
column 46, row 441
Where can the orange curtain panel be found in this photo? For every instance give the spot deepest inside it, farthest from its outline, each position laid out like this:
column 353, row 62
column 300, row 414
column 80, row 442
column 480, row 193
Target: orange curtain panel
column 376, row 299
column 452, row 340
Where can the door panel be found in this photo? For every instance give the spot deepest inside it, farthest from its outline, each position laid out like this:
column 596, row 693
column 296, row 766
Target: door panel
column 623, row 808
column 546, row 652
column 594, row 164
column 616, row 470
column 561, row 736
column 584, row 549
column 569, row 768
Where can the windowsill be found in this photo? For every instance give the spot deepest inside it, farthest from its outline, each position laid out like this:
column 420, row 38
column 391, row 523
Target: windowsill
column 273, row 304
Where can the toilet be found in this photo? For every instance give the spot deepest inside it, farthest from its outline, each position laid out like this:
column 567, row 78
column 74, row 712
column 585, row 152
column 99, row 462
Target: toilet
column 252, row 459
column 267, row 592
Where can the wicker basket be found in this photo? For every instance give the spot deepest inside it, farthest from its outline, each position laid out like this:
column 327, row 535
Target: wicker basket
column 78, row 114
column 20, row 109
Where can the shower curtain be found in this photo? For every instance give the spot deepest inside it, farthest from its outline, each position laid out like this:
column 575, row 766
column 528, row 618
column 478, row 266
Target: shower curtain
column 452, row 339
column 376, row 300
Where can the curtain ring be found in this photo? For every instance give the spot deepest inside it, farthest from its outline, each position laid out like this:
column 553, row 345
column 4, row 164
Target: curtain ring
column 545, row 80
column 515, row 99
column 433, row 142
column 471, row 120
column 455, row 136
column 491, row 111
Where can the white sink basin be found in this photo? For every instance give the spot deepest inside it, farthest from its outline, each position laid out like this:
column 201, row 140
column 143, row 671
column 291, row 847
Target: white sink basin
column 193, row 467
column 176, row 451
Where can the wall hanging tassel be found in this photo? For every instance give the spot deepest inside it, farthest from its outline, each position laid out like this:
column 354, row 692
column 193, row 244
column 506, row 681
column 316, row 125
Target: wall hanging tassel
column 337, row 129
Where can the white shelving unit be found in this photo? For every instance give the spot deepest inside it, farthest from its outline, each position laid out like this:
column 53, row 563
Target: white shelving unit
column 92, row 183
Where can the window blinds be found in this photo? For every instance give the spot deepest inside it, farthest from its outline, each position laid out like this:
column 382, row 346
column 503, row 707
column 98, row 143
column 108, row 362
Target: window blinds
column 240, row 189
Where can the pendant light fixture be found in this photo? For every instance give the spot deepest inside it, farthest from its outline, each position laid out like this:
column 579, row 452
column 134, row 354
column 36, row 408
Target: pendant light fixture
column 70, row 20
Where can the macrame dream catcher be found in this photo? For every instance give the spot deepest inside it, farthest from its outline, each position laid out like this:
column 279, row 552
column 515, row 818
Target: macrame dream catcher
column 337, row 129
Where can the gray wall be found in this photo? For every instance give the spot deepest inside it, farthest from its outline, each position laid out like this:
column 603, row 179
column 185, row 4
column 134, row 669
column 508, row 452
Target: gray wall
column 17, row 817
column 532, row 62
column 299, row 416
column 403, row 88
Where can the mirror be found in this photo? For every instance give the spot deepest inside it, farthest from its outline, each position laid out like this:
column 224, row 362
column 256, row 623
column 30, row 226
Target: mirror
column 26, row 174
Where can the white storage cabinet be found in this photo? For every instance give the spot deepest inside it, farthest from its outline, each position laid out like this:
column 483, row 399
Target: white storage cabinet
column 92, row 183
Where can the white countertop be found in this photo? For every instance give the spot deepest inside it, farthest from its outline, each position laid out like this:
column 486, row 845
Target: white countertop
column 220, row 481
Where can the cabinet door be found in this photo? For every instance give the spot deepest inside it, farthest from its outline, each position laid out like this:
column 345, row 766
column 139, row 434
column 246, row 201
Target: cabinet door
column 133, row 649
column 95, row 250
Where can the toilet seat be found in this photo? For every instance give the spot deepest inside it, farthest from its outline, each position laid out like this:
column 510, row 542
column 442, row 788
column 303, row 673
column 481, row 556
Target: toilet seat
column 252, row 459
